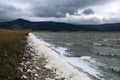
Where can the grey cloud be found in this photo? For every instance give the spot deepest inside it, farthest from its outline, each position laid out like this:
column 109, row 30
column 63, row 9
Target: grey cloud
column 7, row 12
column 49, row 9
column 111, row 20
column 55, row 8
column 92, row 20
column 88, row 11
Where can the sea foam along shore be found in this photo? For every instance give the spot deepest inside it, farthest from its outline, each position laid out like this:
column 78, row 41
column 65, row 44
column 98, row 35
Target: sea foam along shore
column 62, row 70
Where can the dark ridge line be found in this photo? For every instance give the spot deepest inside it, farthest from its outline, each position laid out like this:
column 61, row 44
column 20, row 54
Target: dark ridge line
column 21, row 24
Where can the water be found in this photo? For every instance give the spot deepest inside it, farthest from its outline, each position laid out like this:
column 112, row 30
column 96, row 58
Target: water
column 93, row 53
column 48, row 61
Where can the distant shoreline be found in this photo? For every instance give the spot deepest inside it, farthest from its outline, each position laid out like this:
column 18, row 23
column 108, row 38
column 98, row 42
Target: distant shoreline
column 21, row 24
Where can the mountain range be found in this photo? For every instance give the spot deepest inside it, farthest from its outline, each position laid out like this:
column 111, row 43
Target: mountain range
column 21, row 24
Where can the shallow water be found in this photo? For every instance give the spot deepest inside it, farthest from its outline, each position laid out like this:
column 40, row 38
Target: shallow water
column 94, row 53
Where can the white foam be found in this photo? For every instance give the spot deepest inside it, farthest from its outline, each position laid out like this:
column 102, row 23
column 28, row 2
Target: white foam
column 110, row 39
column 83, row 64
column 96, row 44
column 54, row 62
column 79, row 62
column 76, row 61
column 61, row 50
column 105, row 39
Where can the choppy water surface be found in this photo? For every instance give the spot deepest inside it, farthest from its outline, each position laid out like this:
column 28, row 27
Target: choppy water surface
column 95, row 53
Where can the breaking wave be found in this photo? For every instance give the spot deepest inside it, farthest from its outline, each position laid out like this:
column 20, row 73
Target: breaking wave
column 58, row 65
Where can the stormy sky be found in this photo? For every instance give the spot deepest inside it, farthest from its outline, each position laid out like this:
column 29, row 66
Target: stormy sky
column 70, row 11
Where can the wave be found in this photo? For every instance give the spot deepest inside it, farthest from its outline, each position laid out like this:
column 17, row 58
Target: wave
column 107, row 51
column 112, row 64
column 84, row 64
column 61, row 68
column 97, row 44
column 61, row 50
column 111, row 39
column 81, row 63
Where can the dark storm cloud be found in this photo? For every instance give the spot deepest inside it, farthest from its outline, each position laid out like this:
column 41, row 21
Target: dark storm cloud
column 59, row 8
column 92, row 20
column 47, row 8
column 7, row 12
column 88, row 11
column 54, row 10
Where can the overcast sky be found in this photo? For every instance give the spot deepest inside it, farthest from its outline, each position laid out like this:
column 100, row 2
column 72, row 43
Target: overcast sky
column 71, row 11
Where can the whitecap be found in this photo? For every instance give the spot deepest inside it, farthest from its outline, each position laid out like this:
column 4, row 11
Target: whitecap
column 54, row 62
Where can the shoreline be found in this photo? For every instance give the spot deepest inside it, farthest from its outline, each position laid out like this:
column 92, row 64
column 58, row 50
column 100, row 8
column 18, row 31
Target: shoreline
column 47, row 65
column 20, row 60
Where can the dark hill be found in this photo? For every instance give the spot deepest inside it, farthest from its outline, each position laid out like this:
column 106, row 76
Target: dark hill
column 56, row 26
